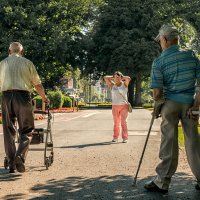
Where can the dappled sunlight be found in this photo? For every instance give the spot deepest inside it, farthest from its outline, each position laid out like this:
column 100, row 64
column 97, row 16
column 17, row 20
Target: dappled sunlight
column 109, row 187
column 188, row 32
column 6, row 177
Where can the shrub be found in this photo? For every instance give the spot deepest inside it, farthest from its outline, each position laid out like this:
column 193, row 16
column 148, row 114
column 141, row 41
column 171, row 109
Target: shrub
column 81, row 103
column 147, row 105
column 38, row 101
column 0, row 97
column 56, row 99
column 67, row 102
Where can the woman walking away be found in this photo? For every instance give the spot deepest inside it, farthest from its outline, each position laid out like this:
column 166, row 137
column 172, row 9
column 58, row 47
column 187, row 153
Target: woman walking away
column 119, row 87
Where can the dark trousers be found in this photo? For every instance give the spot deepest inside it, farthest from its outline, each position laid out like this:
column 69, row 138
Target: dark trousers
column 17, row 106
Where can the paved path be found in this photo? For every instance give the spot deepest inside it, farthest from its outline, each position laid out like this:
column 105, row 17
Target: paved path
column 88, row 166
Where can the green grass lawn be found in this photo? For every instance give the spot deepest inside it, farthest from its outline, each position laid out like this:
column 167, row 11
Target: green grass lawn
column 181, row 136
column 180, row 131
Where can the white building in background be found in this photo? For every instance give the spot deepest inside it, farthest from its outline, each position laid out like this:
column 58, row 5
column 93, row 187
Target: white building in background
column 103, row 90
column 96, row 90
column 68, row 87
column 108, row 96
column 70, row 83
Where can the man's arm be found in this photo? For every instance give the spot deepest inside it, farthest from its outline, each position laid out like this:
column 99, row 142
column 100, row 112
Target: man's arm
column 197, row 95
column 196, row 104
column 197, row 100
column 158, row 101
column 157, row 86
column 40, row 90
column 157, row 94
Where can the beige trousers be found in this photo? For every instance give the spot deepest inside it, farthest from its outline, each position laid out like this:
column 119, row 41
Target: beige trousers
column 171, row 113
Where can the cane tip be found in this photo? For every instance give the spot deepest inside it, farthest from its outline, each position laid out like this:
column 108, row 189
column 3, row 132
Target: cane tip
column 134, row 183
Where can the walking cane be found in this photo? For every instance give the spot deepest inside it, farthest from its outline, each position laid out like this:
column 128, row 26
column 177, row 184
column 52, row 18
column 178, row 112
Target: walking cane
column 140, row 162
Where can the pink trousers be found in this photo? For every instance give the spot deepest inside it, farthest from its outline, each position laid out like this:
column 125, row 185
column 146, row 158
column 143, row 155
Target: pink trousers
column 120, row 113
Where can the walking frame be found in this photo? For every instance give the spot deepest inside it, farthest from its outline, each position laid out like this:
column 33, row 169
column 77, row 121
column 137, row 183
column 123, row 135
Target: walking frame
column 41, row 135
column 38, row 137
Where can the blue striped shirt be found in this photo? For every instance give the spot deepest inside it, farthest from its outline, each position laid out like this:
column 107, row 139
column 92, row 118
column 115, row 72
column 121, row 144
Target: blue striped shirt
column 176, row 71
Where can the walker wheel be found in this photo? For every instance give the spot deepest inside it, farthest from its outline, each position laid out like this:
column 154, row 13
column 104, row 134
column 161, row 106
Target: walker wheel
column 47, row 163
column 50, row 160
column 52, row 157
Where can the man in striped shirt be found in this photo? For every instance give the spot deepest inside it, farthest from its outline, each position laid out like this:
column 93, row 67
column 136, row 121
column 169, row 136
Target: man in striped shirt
column 175, row 77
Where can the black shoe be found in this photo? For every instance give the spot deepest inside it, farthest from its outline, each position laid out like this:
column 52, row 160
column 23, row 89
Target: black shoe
column 114, row 140
column 19, row 164
column 11, row 170
column 152, row 187
column 197, row 187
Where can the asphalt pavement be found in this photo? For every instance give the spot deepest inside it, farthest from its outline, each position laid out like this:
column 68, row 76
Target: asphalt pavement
column 88, row 166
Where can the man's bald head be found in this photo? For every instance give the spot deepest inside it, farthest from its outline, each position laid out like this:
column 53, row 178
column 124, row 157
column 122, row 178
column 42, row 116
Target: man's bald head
column 15, row 47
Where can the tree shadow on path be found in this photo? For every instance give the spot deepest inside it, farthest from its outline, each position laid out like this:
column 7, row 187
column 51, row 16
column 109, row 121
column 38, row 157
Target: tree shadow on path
column 6, row 176
column 113, row 187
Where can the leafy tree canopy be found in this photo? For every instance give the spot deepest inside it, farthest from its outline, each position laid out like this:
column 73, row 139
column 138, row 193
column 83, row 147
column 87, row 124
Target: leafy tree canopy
column 51, row 32
column 123, row 36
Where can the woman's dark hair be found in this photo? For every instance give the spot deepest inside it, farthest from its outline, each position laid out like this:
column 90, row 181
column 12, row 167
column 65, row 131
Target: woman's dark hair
column 118, row 73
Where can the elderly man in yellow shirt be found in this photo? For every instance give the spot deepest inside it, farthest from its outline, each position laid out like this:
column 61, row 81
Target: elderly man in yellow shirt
column 18, row 77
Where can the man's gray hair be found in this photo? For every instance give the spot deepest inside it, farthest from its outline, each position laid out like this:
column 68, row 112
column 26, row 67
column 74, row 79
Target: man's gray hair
column 169, row 31
column 16, row 47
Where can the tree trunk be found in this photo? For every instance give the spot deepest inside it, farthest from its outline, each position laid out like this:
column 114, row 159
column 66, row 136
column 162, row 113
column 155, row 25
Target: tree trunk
column 138, row 100
column 131, row 91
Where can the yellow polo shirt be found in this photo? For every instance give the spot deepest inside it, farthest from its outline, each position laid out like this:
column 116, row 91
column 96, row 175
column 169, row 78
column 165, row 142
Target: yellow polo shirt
column 18, row 73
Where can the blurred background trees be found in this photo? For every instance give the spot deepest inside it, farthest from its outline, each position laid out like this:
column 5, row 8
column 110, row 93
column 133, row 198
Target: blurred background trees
column 123, row 36
column 51, row 31
column 86, row 39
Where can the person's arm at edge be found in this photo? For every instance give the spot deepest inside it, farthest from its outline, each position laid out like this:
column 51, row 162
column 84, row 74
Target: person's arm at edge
column 158, row 102
column 40, row 90
column 109, row 80
column 196, row 104
column 157, row 94
column 126, row 80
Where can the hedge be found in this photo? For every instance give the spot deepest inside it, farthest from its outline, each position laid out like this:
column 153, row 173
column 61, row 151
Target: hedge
column 56, row 99
column 38, row 101
column 67, row 102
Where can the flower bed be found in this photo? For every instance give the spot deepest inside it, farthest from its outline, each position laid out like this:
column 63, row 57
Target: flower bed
column 38, row 116
column 63, row 110
column 56, row 110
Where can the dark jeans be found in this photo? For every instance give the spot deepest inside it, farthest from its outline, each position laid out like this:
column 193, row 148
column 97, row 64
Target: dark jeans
column 17, row 106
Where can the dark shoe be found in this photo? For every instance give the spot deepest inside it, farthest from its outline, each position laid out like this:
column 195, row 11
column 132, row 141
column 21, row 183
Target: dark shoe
column 152, row 187
column 197, row 187
column 11, row 170
column 19, row 164
column 114, row 140
column 125, row 141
